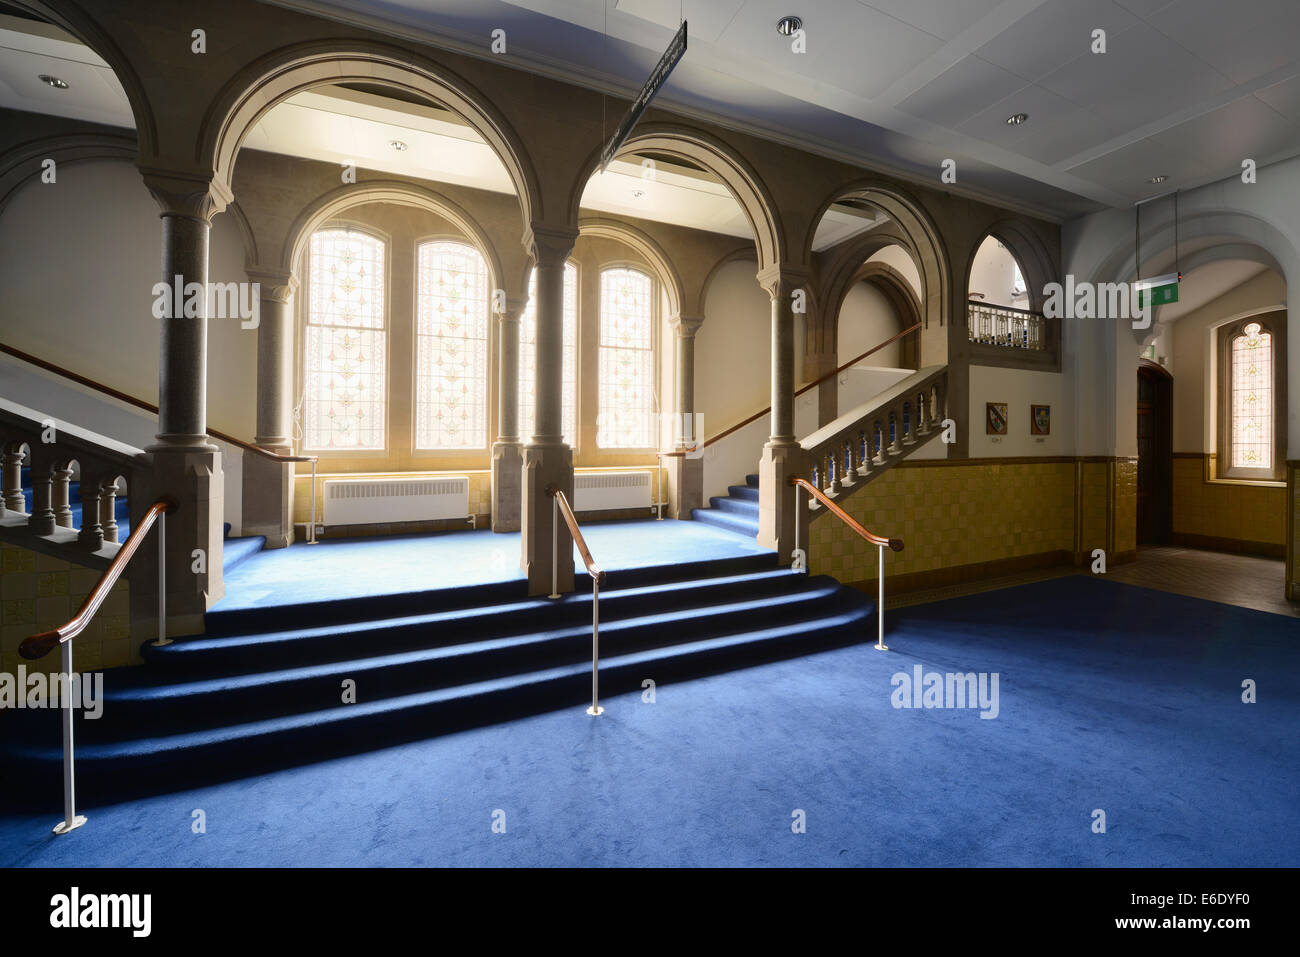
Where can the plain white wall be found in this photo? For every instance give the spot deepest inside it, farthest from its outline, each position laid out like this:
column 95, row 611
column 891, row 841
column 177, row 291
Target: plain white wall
column 993, row 273
column 733, row 349
column 80, row 261
column 867, row 319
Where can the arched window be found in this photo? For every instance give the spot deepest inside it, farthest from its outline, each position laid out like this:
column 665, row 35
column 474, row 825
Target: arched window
column 626, row 415
column 1251, row 381
column 344, row 349
column 451, row 346
column 528, row 358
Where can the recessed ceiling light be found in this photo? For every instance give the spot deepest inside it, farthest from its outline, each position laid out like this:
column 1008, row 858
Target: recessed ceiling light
column 397, row 145
column 1015, row 119
column 787, row 25
column 53, row 81
column 638, row 193
column 1157, row 179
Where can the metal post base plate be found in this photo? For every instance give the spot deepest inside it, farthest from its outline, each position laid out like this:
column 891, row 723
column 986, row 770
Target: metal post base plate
column 596, row 710
column 63, row 827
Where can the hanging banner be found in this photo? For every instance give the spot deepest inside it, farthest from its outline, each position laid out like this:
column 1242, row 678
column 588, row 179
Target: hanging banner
column 658, row 77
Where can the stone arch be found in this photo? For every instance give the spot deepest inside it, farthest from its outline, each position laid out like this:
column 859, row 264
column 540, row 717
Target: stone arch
column 1029, row 252
column 280, row 74
column 703, row 149
column 23, row 162
column 70, row 17
column 901, row 297
column 739, row 254
column 914, row 230
column 395, row 192
column 649, row 250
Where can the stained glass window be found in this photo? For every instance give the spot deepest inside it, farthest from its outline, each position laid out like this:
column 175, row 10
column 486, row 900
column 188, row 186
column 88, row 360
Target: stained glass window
column 344, row 352
column 528, row 358
column 626, row 374
column 1252, row 398
column 452, row 305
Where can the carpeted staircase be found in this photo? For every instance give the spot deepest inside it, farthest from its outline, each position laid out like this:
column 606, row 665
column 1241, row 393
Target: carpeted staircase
column 736, row 511
column 265, row 688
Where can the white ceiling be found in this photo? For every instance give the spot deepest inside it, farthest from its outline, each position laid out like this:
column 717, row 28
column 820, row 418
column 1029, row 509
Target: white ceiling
column 1186, row 89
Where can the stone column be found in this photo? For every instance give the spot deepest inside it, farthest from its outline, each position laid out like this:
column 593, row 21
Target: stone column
column 507, row 451
column 685, row 472
column 782, row 457
column 548, row 461
column 268, row 486
column 42, row 518
column 60, row 501
column 186, row 467
column 12, row 470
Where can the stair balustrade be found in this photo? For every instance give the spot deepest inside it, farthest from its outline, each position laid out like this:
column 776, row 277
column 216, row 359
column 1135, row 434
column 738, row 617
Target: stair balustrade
column 862, row 444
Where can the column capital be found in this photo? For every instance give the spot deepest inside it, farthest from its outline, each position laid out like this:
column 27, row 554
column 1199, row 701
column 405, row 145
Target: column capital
column 513, row 311
column 275, row 285
column 550, row 245
column 781, row 280
column 686, row 326
column 191, row 195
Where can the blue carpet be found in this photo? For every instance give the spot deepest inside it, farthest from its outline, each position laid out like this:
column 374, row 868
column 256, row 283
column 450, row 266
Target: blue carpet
column 1111, row 697
column 737, row 511
column 236, row 551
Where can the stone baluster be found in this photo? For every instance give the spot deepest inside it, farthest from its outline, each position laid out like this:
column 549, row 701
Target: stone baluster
column 91, row 536
column 895, row 432
column 832, row 473
column 922, row 415
column 909, row 424
column 42, row 520
column 12, row 470
column 108, row 509
column 61, row 479
column 850, row 472
column 864, row 454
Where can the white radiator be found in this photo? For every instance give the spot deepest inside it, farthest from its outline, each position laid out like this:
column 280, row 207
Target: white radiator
column 367, row 501
column 597, row 491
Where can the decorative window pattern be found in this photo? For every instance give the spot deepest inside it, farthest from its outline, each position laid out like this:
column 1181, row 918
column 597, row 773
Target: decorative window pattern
column 626, row 364
column 451, row 349
column 344, row 350
column 1251, row 401
column 528, row 358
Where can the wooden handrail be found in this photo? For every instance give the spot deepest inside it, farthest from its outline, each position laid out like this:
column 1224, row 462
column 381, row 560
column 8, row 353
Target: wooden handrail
column 811, row 385
column 593, row 569
column 894, row 543
column 38, row 646
column 141, row 404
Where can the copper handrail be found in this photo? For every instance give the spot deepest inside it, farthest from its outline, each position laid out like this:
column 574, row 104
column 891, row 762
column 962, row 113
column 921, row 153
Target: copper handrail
column 594, row 570
column 811, row 385
column 560, row 507
column 38, row 646
column 895, row 544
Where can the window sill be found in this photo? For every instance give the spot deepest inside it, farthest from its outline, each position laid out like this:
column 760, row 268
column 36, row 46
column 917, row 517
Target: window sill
column 1261, row 483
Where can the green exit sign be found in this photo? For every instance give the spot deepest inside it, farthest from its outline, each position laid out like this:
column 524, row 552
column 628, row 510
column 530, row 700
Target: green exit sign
column 1159, row 292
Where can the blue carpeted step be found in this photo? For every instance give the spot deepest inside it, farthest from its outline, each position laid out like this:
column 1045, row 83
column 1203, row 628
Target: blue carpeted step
column 736, row 506
column 272, row 649
column 267, row 694
column 726, row 520
column 748, row 492
column 236, row 550
column 240, row 749
column 751, row 481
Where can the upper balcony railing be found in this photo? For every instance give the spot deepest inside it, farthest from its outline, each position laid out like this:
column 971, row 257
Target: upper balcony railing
column 1006, row 327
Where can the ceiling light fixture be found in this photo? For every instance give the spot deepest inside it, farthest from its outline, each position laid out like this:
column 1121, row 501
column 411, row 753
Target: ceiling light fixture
column 1157, row 179
column 53, row 81
column 397, row 145
column 786, row 26
column 1015, row 119
column 638, row 193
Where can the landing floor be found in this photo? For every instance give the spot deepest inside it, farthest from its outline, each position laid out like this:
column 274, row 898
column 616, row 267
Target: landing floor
column 355, row 567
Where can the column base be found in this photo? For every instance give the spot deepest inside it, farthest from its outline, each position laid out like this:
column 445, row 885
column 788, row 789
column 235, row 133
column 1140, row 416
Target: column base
column 268, row 500
column 545, row 466
column 685, row 485
column 776, row 498
column 507, row 476
column 194, row 480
